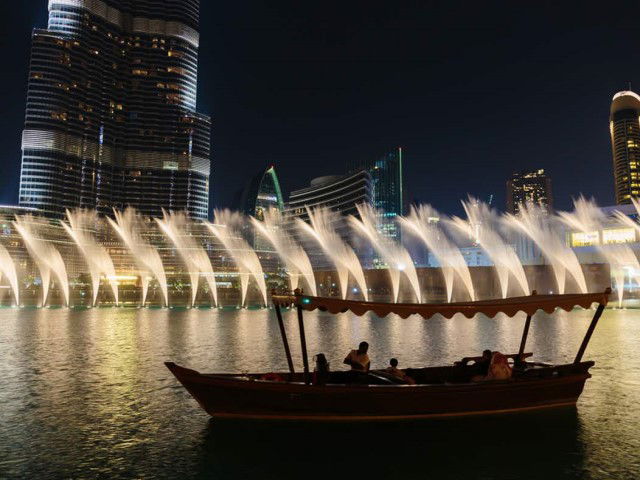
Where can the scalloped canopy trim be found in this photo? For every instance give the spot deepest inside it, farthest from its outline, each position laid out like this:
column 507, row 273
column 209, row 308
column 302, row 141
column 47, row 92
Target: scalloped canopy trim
column 509, row 306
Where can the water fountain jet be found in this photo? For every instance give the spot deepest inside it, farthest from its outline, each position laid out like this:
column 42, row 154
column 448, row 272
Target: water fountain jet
column 481, row 226
column 147, row 258
column 322, row 230
column 96, row 257
column 420, row 223
column 296, row 260
column 227, row 231
column 587, row 218
column 534, row 222
column 8, row 269
column 395, row 256
column 174, row 226
column 46, row 257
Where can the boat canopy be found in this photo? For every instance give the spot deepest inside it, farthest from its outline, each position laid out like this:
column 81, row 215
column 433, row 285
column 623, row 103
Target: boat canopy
column 509, row 306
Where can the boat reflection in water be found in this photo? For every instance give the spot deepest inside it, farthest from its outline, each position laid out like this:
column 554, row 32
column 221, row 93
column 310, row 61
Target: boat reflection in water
column 534, row 445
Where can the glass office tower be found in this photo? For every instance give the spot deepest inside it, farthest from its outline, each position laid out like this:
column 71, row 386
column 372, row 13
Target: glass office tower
column 111, row 116
column 388, row 195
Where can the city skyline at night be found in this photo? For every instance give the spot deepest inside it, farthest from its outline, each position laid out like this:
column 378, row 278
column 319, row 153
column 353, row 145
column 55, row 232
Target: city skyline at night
column 460, row 90
column 236, row 234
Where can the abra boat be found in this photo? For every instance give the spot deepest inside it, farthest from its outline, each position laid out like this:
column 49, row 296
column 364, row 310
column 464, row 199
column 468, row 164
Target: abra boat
column 438, row 391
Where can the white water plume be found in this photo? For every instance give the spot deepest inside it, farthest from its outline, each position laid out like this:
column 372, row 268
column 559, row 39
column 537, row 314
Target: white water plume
column 147, row 258
column 98, row 260
column 175, row 225
column 394, row 255
column 534, row 222
column 8, row 269
column 296, row 260
column 481, row 225
column 322, row 229
column 421, row 223
column 46, row 257
column 226, row 229
column 588, row 219
column 627, row 221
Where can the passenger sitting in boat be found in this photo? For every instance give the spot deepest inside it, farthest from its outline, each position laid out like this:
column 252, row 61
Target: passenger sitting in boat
column 484, row 363
column 499, row 368
column 321, row 372
column 394, row 371
column 358, row 359
column 481, row 367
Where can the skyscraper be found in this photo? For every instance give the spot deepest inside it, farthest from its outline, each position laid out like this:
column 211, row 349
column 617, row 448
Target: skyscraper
column 111, row 115
column 625, row 144
column 388, row 192
column 529, row 187
column 340, row 193
column 262, row 193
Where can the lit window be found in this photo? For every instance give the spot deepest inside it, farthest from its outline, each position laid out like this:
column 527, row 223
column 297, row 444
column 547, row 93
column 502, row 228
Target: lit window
column 585, row 239
column 618, row 235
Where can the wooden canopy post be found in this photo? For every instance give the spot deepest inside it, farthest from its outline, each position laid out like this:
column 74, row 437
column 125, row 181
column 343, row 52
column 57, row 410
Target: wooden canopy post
column 303, row 346
column 283, row 334
column 525, row 332
column 587, row 336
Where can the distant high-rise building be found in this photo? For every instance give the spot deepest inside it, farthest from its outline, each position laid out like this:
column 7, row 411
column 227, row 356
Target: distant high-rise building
column 341, row 193
column 625, row 144
column 111, row 115
column 261, row 194
column 388, row 191
column 529, row 187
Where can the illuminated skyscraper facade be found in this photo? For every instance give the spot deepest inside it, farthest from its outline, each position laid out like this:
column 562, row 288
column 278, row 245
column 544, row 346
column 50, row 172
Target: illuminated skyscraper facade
column 262, row 194
column 529, row 187
column 388, row 191
column 625, row 144
column 111, row 115
column 340, row 193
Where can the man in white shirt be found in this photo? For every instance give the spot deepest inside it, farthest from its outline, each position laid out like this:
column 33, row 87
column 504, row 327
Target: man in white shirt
column 358, row 359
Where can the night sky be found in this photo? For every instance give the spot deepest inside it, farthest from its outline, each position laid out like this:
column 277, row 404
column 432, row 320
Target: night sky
column 472, row 91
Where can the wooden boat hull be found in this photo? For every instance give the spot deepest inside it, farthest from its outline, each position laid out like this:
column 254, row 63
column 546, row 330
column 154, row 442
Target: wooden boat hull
column 230, row 396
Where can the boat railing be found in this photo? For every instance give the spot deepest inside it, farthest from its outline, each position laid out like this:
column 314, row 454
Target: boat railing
column 512, row 356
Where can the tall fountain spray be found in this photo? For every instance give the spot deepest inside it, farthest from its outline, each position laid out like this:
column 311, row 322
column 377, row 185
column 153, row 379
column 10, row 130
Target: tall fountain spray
column 8, row 269
column 481, row 226
column 46, row 257
column 588, row 219
column 175, row 226
column 226, row 229
column 535, row 223
column 423, row 223
column 98, row 260
column 394, row 255
column 627, row 221
column 146, row 257
column 323, row 230
column 293, row 255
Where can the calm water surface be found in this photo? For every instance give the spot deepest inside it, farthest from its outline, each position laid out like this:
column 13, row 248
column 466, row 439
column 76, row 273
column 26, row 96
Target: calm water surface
column 85, row 394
